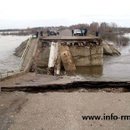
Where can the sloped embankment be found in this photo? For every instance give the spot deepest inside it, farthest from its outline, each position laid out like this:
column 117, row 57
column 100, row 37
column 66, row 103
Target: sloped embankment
column 28, row 54
column 20, row 49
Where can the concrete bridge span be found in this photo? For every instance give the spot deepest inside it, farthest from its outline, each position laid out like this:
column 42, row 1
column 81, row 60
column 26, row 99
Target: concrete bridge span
column 84, row 51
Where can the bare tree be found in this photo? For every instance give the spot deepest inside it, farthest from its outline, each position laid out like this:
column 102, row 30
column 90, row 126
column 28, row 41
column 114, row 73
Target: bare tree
column 104, row 27
column 94, row 26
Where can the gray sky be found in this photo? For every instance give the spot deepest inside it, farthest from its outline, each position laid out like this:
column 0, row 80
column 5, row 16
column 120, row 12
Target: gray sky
column 29, row 13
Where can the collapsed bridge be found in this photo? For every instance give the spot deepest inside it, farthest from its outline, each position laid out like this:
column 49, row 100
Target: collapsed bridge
column 55, row 54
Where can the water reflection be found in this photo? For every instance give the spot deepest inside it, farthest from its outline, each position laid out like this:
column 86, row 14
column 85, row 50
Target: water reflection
column 91, row 71
column 115, row 68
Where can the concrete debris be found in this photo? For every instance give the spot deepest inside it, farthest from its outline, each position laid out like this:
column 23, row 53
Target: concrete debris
column 109, row 49
column 52, row 57
column 67, row 59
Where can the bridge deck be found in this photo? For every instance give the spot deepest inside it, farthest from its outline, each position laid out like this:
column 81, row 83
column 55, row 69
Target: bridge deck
column 71, row 38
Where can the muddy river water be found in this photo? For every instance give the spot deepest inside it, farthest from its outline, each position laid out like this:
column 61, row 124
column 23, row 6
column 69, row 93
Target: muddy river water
column 114, row 68
column 8, row 61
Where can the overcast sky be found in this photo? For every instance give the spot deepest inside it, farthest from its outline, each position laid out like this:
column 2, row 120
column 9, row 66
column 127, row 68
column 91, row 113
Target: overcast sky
column 29, row 13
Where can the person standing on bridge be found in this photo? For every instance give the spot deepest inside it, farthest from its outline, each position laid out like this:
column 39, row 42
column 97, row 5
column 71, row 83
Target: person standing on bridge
column 97, row 33
column 41, row 33
column 37, row 34
column 85, row 32
column 72, row 32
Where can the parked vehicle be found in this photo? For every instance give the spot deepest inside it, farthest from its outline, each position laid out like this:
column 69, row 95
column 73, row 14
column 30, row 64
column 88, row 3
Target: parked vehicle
column 52, row 32
column 79, row 32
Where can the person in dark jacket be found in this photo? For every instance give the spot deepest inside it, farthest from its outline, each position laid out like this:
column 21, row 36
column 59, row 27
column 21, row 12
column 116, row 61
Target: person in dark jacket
column 72, row 32
column 97, row 33
column 85, row 32
column 41, row 33
column 37, row 34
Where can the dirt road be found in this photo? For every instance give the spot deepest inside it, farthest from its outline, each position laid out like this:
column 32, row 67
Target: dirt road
column 10, row 104
column 62, row 110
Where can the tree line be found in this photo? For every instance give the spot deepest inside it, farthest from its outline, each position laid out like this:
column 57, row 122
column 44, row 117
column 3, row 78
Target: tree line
column 107, row 31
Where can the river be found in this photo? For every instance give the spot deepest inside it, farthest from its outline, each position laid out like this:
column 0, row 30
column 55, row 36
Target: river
column 8, row 61
column 115, row 68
